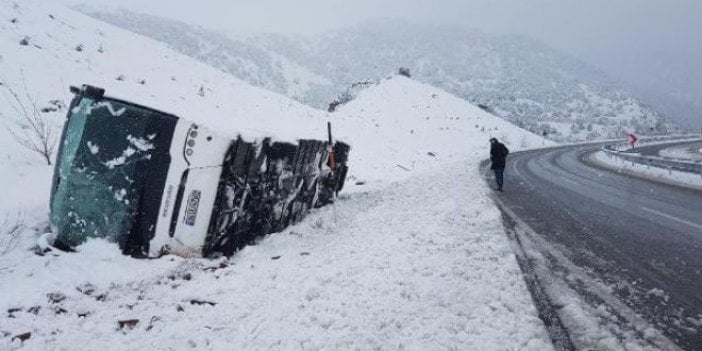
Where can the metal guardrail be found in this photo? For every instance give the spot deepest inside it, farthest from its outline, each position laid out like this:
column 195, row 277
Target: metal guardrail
column 654, row 140
column 668, row 163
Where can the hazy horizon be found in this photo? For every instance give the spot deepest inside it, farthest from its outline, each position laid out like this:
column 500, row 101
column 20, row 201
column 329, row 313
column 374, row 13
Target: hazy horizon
column 651, row 47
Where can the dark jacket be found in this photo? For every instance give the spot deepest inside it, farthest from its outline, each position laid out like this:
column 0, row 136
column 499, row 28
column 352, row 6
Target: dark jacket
column 498, row 155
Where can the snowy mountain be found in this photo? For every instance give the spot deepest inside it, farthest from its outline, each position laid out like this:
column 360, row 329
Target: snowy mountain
column 517, row 78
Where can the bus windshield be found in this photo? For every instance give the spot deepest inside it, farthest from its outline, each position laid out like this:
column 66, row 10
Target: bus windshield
column 111, row 170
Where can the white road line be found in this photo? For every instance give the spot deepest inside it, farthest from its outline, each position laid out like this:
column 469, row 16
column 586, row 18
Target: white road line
column 673, row 218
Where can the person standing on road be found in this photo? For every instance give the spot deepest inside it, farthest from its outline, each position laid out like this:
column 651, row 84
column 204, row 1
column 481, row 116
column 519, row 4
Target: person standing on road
column 498, row 157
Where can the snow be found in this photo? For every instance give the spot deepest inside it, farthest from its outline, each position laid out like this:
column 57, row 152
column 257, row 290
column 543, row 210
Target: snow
column 120, row 194
column 595, row 327
column 409, row 266
column 682, row 152
column 140, row 143
column 94, row 149
column 395, row 124
column 660, row 174
column 108, row 106
column 48, row 70
column 25, row 190
column 413, row 255
column 118, row 161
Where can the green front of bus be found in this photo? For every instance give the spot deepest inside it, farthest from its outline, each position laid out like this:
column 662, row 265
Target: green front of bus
column 110, row 172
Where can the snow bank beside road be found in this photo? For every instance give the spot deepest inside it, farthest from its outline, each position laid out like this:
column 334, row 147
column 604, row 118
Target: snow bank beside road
column 645, row 171
column 423, row 264
column 682, row 152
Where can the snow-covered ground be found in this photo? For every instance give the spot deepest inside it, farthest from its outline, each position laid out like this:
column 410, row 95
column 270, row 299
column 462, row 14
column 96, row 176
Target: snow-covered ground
column 660, row 174
column 682, row 152
column 422, row 264
column 413, row 255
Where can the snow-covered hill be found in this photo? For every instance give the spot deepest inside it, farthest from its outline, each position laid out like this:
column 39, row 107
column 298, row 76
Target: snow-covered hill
column 520, row 79
column 80, row 50
column 44, row 49
column 412, row 256
column 400, row 126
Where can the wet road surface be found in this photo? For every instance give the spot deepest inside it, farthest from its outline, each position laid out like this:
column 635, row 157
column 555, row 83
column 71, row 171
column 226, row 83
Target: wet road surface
column 642, row 238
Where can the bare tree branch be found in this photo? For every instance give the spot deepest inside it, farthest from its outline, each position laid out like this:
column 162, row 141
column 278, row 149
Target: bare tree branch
column 33, row 130
column 11, row 224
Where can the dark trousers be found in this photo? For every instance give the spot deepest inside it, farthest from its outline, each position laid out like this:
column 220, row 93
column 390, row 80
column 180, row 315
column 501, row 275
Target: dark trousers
column 499, row 173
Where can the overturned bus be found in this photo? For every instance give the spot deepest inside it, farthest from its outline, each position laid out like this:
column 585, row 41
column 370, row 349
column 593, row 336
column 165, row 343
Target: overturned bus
column 156, row 183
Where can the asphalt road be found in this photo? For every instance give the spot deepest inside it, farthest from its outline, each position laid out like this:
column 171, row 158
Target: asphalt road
column 642, row 238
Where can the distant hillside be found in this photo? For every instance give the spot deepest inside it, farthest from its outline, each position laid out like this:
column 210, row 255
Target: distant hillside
column 245, row 58
column 516, row 78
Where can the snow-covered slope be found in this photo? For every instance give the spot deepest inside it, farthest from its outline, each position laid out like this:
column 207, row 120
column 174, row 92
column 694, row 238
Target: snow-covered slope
column 524, row 81
column 400, row 126
column 82, row 50
column 44, row 49
column 414, row 258
column 409, row 119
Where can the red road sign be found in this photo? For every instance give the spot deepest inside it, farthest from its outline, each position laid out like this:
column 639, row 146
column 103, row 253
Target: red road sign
column 632, row 138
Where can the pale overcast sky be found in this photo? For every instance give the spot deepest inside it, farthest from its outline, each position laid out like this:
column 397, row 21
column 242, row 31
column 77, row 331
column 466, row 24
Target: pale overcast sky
column 654, row 45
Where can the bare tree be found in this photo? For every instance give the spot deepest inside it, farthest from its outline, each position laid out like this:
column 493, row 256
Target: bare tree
column 11, row 224
column 32, row 129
